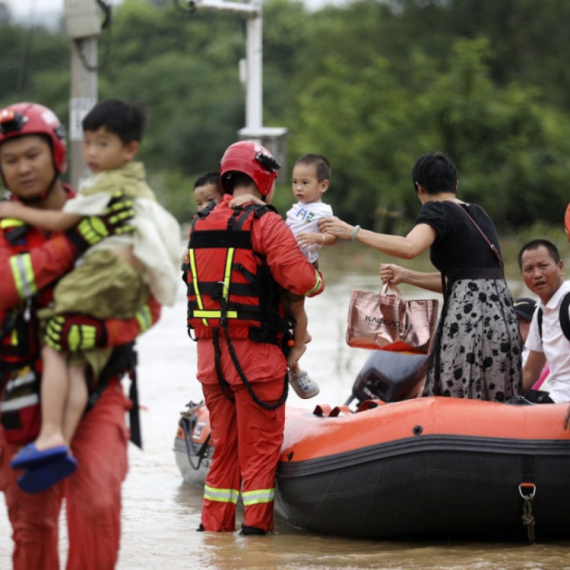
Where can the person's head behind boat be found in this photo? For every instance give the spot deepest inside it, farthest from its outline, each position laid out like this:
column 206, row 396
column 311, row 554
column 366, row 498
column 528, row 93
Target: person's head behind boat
column 541, row 268
column 524, row 309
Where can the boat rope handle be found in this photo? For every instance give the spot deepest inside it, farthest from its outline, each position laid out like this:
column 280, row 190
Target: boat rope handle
column 527, row 492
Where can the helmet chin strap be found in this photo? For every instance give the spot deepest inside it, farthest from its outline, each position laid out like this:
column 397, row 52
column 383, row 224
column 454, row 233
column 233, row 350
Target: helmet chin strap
column 43, row 196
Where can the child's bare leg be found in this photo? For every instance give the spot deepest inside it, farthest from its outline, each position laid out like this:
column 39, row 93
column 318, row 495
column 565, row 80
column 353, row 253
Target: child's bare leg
column 297, row 310
column 76, row 400
column 54, row 392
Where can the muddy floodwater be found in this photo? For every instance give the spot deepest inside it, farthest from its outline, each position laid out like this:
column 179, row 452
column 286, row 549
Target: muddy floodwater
column 161, row 513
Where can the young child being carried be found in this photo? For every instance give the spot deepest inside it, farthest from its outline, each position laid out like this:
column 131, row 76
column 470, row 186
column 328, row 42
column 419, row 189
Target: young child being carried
column 311, row 179
column 207, row 189
column 112, row 280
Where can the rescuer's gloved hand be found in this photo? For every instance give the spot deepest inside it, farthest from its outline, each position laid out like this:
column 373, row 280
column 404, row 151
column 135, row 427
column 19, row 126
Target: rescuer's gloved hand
column 75, row 332
column 114, row 221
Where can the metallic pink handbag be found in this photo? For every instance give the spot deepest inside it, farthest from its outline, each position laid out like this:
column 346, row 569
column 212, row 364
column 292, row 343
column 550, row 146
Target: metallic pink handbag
column 387, row 321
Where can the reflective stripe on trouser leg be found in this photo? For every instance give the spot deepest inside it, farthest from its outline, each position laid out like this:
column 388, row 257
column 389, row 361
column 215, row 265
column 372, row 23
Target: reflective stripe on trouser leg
column 258, row 497
column 223, row 479
column 221, row 495
column 260, row 440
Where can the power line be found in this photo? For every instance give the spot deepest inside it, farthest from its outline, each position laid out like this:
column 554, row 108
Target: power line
column 27, row 50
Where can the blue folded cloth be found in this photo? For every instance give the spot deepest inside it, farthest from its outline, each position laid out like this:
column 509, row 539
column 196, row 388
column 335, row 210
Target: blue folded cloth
column 31, row 456
column 42, row 477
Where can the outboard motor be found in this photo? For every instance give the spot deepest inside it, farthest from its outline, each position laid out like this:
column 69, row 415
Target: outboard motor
column 389, row 376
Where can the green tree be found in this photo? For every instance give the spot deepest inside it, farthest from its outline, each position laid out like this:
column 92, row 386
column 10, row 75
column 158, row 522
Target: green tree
column 372, row 85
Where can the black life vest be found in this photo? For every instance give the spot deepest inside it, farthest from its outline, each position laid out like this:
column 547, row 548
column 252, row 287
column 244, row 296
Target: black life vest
column 229, row 283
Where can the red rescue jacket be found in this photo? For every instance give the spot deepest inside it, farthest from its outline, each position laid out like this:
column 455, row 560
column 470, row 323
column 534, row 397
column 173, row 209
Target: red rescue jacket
column 31, row 262
column 228, row 279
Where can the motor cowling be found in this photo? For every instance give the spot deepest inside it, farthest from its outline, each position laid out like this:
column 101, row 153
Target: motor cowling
column 390, row 376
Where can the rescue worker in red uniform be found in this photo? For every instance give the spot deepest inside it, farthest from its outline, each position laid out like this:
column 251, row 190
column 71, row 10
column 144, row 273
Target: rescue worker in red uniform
column 239, row 259
column 32, row 158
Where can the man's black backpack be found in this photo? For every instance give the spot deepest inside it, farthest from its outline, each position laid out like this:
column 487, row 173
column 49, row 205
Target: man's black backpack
column 564, row 318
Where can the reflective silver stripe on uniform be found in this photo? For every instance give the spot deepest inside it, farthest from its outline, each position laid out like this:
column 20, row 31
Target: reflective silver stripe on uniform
column 27, row 378
column 19, row 403
column 23, row 273
column 221, row 495
column 259, row 496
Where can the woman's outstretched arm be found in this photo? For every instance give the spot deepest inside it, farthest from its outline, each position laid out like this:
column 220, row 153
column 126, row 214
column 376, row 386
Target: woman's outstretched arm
column 417, row 241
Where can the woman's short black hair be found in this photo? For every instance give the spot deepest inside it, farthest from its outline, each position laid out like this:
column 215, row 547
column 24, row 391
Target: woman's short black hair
column 436, row 172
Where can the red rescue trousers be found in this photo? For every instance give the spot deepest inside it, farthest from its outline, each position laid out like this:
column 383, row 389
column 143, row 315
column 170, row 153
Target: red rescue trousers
column 247, row 443
column 92, row 495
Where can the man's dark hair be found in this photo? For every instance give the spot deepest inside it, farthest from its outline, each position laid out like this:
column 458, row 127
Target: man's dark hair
column 436, row 172
column 535, row 244
column 234, row 179
column 210, row 177
column 321, row 164
column 126, row 120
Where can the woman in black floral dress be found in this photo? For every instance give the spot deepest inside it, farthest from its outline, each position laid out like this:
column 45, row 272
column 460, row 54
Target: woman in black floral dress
column 477, row 351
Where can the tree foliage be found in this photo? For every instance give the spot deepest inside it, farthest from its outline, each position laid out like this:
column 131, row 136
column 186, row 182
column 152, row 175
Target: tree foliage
column 372, row 85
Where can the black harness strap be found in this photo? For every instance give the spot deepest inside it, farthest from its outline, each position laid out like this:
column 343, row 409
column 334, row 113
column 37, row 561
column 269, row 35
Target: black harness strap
column 212, row 288
column 15, row 234
column 234, row 237
column 123, row 360
column 563, row 317
column 223, row 239
column 224, row 384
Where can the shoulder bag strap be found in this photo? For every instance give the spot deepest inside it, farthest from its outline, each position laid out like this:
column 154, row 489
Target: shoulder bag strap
column 491, row 245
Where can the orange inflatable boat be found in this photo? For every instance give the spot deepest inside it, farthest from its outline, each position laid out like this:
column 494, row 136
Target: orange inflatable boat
column 417, row 466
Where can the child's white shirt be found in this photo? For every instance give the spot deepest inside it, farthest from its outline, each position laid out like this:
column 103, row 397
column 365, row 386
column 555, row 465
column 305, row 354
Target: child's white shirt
column 305, row 218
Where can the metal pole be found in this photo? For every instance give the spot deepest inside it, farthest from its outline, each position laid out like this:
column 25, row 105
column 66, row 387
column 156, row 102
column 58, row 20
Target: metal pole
column 254, row 129
column 83, row 96
column 254, row 56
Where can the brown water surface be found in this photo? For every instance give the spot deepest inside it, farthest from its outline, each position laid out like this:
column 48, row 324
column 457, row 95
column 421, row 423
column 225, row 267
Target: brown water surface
column 161, row 513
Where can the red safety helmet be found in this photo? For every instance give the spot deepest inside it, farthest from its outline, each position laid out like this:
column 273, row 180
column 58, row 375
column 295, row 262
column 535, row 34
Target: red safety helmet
column 33, row 119
column 251, row 159
column 567, row 221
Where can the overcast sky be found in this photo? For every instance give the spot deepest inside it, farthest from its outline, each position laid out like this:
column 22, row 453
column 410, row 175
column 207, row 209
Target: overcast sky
column 22, row 9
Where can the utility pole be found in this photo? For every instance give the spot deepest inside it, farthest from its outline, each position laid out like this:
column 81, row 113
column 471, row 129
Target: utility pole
column 274, row 138
column 83, row 24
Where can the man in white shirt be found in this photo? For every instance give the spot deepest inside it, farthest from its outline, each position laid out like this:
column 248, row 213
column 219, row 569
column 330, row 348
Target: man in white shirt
column 542, row 271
